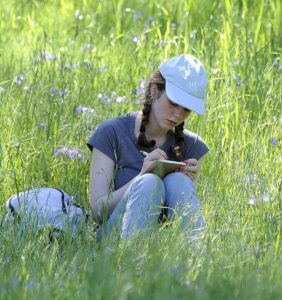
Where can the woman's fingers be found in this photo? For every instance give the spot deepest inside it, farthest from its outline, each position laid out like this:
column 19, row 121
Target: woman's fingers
column 191, row 169
column 191, row 162
column 188, row 168
column 157, row 154
column 150, row 158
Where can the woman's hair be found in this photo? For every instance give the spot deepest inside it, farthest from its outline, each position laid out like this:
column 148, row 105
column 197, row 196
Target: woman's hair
column 142, row 141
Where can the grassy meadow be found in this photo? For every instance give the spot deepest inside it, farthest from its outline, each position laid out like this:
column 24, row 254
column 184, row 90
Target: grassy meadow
column 65, row 66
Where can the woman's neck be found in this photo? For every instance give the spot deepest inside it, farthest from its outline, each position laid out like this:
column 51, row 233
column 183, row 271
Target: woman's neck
column 153, row 132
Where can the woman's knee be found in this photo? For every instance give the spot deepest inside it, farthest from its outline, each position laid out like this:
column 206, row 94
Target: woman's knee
column 177, row 180
column 149, row 187
column 150, row 181
column 180, row 191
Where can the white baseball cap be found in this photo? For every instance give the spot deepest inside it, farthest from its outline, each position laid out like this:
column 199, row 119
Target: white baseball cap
column 186, row 82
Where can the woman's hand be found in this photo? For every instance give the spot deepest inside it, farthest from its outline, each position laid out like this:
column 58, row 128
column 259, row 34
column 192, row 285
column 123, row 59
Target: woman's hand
column 192, row 169
column 150, row 158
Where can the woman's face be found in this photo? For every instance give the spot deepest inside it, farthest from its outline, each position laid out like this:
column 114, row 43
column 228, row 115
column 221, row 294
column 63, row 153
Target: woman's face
column 168, row 114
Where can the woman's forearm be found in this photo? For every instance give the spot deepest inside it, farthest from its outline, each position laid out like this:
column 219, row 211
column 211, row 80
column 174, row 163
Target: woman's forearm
column 107, row 203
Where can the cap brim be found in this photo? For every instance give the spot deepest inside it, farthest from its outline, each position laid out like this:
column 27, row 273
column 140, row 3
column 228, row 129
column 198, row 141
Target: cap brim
column 184, row 99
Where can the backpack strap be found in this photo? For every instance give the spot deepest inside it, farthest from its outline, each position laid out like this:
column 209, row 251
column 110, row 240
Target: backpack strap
column 64, row 209
column 13, row 211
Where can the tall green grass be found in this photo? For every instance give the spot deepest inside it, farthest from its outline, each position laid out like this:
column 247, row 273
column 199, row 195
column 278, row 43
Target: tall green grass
column 101, row 47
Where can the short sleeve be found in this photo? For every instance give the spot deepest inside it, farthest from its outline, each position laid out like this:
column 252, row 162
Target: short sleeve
column 105, row 140
column 195, row 147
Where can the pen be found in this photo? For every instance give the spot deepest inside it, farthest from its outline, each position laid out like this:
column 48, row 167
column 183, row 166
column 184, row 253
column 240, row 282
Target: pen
column 144, row 152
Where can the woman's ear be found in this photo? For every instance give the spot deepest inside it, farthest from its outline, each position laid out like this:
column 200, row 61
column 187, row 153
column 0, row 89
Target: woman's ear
column 155, row 93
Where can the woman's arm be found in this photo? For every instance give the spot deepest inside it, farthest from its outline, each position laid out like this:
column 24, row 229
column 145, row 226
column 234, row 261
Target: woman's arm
column 101, row 181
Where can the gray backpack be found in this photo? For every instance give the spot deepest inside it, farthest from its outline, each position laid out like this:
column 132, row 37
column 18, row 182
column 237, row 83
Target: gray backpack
column 50, row 207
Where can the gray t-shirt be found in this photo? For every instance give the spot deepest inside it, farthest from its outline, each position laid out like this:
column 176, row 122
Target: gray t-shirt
column 116, row 139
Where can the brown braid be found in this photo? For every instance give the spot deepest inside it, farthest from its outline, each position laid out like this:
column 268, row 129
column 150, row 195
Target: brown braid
column 178, row 149
column 142, row 141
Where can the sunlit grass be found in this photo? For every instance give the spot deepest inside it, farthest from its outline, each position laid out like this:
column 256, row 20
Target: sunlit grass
column 57, row 56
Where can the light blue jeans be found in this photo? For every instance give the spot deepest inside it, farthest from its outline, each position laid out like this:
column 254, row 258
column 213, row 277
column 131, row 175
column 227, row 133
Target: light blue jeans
column 142, row 204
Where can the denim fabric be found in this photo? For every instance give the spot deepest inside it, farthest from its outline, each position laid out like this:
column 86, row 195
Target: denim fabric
column 140, row 207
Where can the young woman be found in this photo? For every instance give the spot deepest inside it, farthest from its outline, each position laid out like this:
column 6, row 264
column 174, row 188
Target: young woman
column 123, row 193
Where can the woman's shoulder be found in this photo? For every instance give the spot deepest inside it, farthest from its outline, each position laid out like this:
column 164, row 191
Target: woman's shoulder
column 119, row 120
column 189, row 135
column 195, row 146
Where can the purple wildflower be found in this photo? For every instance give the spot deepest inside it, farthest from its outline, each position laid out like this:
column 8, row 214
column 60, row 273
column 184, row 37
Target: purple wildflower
column 240, row 82
column 274, row 142
column 146, row 27
column 19, row 79
column 53, row 91
column 139, row 91
column 104, row 98
column 251, row 179
column 79, row 110
column 63, row 92
column 252, row 200
column 82, row 109
column 114, row 95
column 120, row 99
column 42, row 125
column 135, row 39
column 136, row 16
column 61, row 152
column 89, row 110
column 173, row 25
column 101, row 70
column 17, row 145
column 48, row 56
column 74, row 153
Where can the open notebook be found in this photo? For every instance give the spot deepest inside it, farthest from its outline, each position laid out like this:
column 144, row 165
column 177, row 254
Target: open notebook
column 163, row 167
